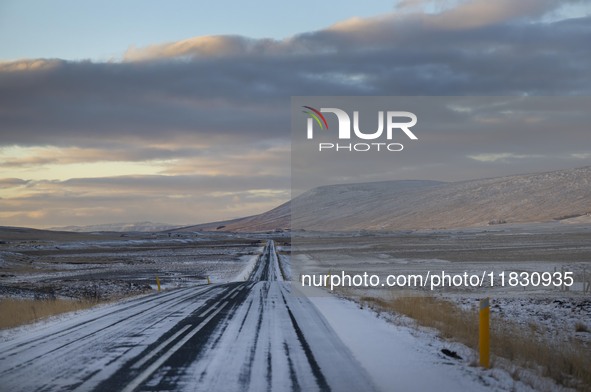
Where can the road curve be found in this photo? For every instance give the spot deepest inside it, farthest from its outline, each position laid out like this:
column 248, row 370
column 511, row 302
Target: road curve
column 242, row 336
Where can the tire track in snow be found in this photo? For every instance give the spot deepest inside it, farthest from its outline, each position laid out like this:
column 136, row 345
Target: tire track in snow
column 242, row 336
column 322, row 384
column 155, row 302
column 76, row 339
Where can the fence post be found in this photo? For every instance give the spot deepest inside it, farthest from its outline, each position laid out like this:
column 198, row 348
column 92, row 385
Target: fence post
column 484, row 333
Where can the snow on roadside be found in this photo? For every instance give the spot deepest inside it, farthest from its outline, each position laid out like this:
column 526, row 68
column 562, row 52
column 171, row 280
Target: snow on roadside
column 250, row 261
column 399, row 358
column 285, row 263
column 62, row 321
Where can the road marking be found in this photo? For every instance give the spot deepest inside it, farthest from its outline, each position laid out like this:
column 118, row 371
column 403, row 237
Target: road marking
column 142, row 304
column 234, row 295
column 231, row 291
column 212, row 307
column 164, row 357
column 145, row 359
column 223, row 298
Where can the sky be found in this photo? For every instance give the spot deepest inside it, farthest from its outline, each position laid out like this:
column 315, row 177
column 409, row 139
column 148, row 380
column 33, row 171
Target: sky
column 180, row 112
column 78, row 30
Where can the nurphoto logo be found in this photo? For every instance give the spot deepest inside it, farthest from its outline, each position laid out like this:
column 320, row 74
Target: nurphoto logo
column 392, row 120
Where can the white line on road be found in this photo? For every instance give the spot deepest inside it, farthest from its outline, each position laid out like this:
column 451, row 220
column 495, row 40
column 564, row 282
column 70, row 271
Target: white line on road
column 212, row 307
column 152, row 368
column 145, row 359
column 223, row 298
column 227, row 295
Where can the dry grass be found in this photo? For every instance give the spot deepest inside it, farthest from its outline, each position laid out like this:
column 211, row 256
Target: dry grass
column 15, row 312
column 567, row 364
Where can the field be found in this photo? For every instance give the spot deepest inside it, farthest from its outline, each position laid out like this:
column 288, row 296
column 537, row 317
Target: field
column 542, row 328
column 537, row 332
column 45, row 273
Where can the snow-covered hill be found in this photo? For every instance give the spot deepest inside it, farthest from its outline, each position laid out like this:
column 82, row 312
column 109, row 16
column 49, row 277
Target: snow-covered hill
column 395, row 205
column 137, row 226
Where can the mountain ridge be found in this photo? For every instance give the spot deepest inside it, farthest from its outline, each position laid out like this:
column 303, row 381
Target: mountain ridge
column 421, row 204
column 145, row 226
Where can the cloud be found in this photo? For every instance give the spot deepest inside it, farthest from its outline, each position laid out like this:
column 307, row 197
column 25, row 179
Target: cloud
column 502, row 157
column 479, row 13
column 182, row 199
column 206, row 46
column 12, row 182
column 211, row 47
column 454, row 144
column 30, row 65
column 220, row 105
column 236, row 87
column 19, row 157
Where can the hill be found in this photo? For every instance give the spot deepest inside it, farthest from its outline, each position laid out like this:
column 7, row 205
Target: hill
column 395, row 205
column 119, row 227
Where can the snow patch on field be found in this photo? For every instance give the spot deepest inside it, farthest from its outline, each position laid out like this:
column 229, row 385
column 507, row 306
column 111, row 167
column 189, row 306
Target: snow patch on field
column 250, row 262
column 554, row 318
column 285, row 263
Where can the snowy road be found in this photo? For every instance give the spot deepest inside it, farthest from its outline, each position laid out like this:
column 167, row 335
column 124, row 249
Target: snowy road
column 243, row 336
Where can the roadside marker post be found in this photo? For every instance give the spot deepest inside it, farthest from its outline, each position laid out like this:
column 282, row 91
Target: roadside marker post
column 484, row 333
column 208, row 281
column 158, row 283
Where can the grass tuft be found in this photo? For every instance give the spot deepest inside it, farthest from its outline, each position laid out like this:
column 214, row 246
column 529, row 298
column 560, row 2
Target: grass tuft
column 568, row 364
column 15, row 312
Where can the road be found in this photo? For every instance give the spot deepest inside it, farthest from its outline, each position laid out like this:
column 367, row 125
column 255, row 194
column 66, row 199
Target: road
column 242, row 336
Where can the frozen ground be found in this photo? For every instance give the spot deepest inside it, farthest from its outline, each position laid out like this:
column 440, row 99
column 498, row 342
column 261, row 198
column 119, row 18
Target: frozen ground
column 558, row 318
column 552, row 314
column 254, row 335
column 509, row 248
column 107, row 265
column 238, row 336
column 408, row 359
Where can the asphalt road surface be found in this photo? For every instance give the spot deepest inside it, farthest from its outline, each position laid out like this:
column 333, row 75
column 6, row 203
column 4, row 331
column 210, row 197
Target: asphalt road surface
column 242, row 336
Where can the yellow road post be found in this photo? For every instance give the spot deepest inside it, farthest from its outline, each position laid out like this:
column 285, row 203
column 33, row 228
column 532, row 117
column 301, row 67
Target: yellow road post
column 484, row 333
